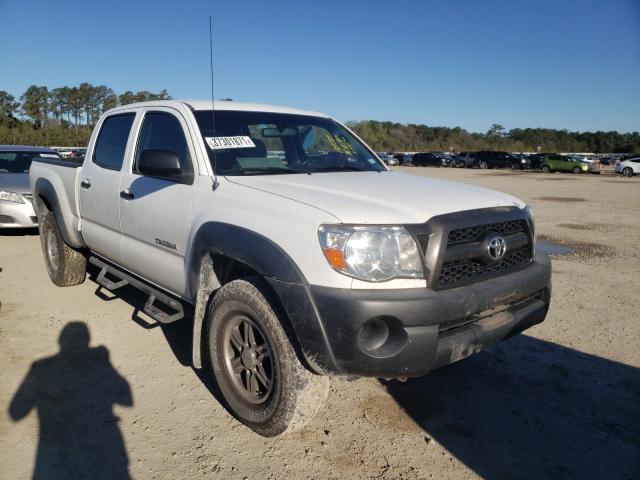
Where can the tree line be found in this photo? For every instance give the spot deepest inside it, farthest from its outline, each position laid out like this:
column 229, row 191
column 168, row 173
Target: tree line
column 66, row 116
column 397, row 137
column 63, row 115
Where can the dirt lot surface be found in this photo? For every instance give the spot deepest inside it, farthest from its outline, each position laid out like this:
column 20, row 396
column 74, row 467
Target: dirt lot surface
column 560, row 401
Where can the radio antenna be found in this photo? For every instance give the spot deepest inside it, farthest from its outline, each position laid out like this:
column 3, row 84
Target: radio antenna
column 213, row 110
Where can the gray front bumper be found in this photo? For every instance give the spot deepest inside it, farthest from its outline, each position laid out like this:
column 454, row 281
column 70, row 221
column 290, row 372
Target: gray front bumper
column 408, row 332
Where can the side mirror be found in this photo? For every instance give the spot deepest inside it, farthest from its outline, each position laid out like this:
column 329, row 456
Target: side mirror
column 160, row 163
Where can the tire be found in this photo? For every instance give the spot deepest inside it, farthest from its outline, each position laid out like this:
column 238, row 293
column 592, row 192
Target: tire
column 484, row 165
column 576, row 170
column 546, row 169
column 515, row 166
column 66, row 266
column 254, row 363
column 627, row 172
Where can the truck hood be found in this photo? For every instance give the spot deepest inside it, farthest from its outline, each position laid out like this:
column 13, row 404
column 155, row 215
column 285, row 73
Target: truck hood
column 379, row 197
column 14, row 182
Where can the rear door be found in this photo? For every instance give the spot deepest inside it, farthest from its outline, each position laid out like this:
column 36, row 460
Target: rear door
column 156, row 216
column 100, row 179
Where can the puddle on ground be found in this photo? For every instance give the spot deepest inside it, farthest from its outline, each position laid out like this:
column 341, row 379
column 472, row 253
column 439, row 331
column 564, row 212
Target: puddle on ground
column 562, row 199
column 553, row 249
column 574, row 249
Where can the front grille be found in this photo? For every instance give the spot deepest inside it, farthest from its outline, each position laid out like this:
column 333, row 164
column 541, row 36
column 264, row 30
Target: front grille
column 472, row 234
column 464, row 271
column 455, row 246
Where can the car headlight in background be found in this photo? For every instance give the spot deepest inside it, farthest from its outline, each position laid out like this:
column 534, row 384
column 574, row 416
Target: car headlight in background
column 10, row 197
column 374, row 254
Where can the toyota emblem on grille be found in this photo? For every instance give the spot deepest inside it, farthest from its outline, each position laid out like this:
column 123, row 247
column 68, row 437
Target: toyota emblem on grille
column 497, row 248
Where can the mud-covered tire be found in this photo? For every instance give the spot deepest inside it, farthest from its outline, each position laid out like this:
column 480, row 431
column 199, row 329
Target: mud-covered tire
column 295, row 395
column 66, row 266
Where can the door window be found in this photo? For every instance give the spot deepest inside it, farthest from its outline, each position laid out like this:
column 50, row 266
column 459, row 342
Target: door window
column 112, row 141
column 163, row 131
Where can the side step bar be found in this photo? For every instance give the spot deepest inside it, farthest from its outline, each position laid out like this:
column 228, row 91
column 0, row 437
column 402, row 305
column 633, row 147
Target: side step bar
column 155, row 295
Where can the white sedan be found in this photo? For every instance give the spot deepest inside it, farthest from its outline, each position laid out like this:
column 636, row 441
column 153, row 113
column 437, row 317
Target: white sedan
column 629, row 167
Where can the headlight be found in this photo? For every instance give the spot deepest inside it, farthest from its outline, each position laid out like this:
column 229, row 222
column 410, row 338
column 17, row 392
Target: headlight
column 373, row 254
column 10, row 197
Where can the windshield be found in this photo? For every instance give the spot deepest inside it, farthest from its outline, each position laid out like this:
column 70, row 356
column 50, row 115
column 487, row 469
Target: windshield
column 20, row 162
column 262, row 143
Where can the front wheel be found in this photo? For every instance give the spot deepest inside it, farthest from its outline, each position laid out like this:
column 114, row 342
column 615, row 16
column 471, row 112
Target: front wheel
column 484, row 165
column 515, row 166
column 576, row 170
column 546, row 169
column 254, row 363
column 65, row 265
column 627, row 172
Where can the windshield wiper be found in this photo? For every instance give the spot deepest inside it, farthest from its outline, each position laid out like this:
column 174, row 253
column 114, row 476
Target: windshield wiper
column 338, row 168
column 259, row 171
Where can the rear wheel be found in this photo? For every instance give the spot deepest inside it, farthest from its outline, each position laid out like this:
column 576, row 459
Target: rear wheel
column 484, row 165
column 255, row 366
column 627, row 172
column 65, row 265
column 546, row 169
column 515, row 166
column 576, row 170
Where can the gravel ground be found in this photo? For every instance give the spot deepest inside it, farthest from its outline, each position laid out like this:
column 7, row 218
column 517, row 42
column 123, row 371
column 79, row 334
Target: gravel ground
column 562, row 400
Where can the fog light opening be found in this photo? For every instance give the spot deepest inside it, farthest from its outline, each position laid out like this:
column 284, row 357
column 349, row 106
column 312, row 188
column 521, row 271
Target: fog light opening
column 382, row 337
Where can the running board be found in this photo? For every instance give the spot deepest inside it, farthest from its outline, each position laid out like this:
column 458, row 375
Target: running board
column 155, row 295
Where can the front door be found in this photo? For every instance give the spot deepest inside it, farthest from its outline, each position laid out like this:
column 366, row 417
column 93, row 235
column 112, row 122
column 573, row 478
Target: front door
column 100, row 179
column 156, row 213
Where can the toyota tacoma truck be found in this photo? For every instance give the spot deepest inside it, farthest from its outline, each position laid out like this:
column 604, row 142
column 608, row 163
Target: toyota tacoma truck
column 296, row 251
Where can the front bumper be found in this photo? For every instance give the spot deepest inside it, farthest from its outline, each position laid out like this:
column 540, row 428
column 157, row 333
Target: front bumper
column 17, row 215
column 408, row 332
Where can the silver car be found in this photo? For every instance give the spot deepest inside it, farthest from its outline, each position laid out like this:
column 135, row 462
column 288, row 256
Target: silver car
column 16, row 210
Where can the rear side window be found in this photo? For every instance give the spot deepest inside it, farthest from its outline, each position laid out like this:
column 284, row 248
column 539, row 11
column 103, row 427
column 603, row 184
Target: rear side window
column 112, row 141
column 162, row 131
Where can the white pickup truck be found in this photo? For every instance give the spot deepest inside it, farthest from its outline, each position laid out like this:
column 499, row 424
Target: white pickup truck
column 298, row 253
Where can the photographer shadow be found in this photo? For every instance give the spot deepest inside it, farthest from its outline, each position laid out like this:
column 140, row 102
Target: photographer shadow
column 73, row 393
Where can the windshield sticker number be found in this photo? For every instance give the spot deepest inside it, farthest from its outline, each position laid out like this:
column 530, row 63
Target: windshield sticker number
column 223, row 143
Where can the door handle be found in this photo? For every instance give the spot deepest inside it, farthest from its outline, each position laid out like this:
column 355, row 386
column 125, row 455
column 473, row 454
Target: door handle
column 126, row 195
column 86, row 184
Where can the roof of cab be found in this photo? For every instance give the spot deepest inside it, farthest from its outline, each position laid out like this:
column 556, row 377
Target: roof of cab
column 225, row 105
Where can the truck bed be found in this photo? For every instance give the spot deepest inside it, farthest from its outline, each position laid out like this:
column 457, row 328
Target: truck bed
column 61, row 178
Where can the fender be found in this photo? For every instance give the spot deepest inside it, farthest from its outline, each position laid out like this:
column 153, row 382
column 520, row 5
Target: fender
column 276, row 266
column 43, row 188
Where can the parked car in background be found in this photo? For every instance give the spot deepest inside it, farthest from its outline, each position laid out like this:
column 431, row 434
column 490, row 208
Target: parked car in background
column 468, row 160
column 563, row 163
column 536, row 160
column 403, row 158
column 430, row 159
column 492, row 159
column 629, row 167
column 522, row 161
column 388, row 159
column 16, row 210
column 453, row 159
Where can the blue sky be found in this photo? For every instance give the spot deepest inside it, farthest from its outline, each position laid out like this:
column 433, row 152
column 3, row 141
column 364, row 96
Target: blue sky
column 555, row 64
